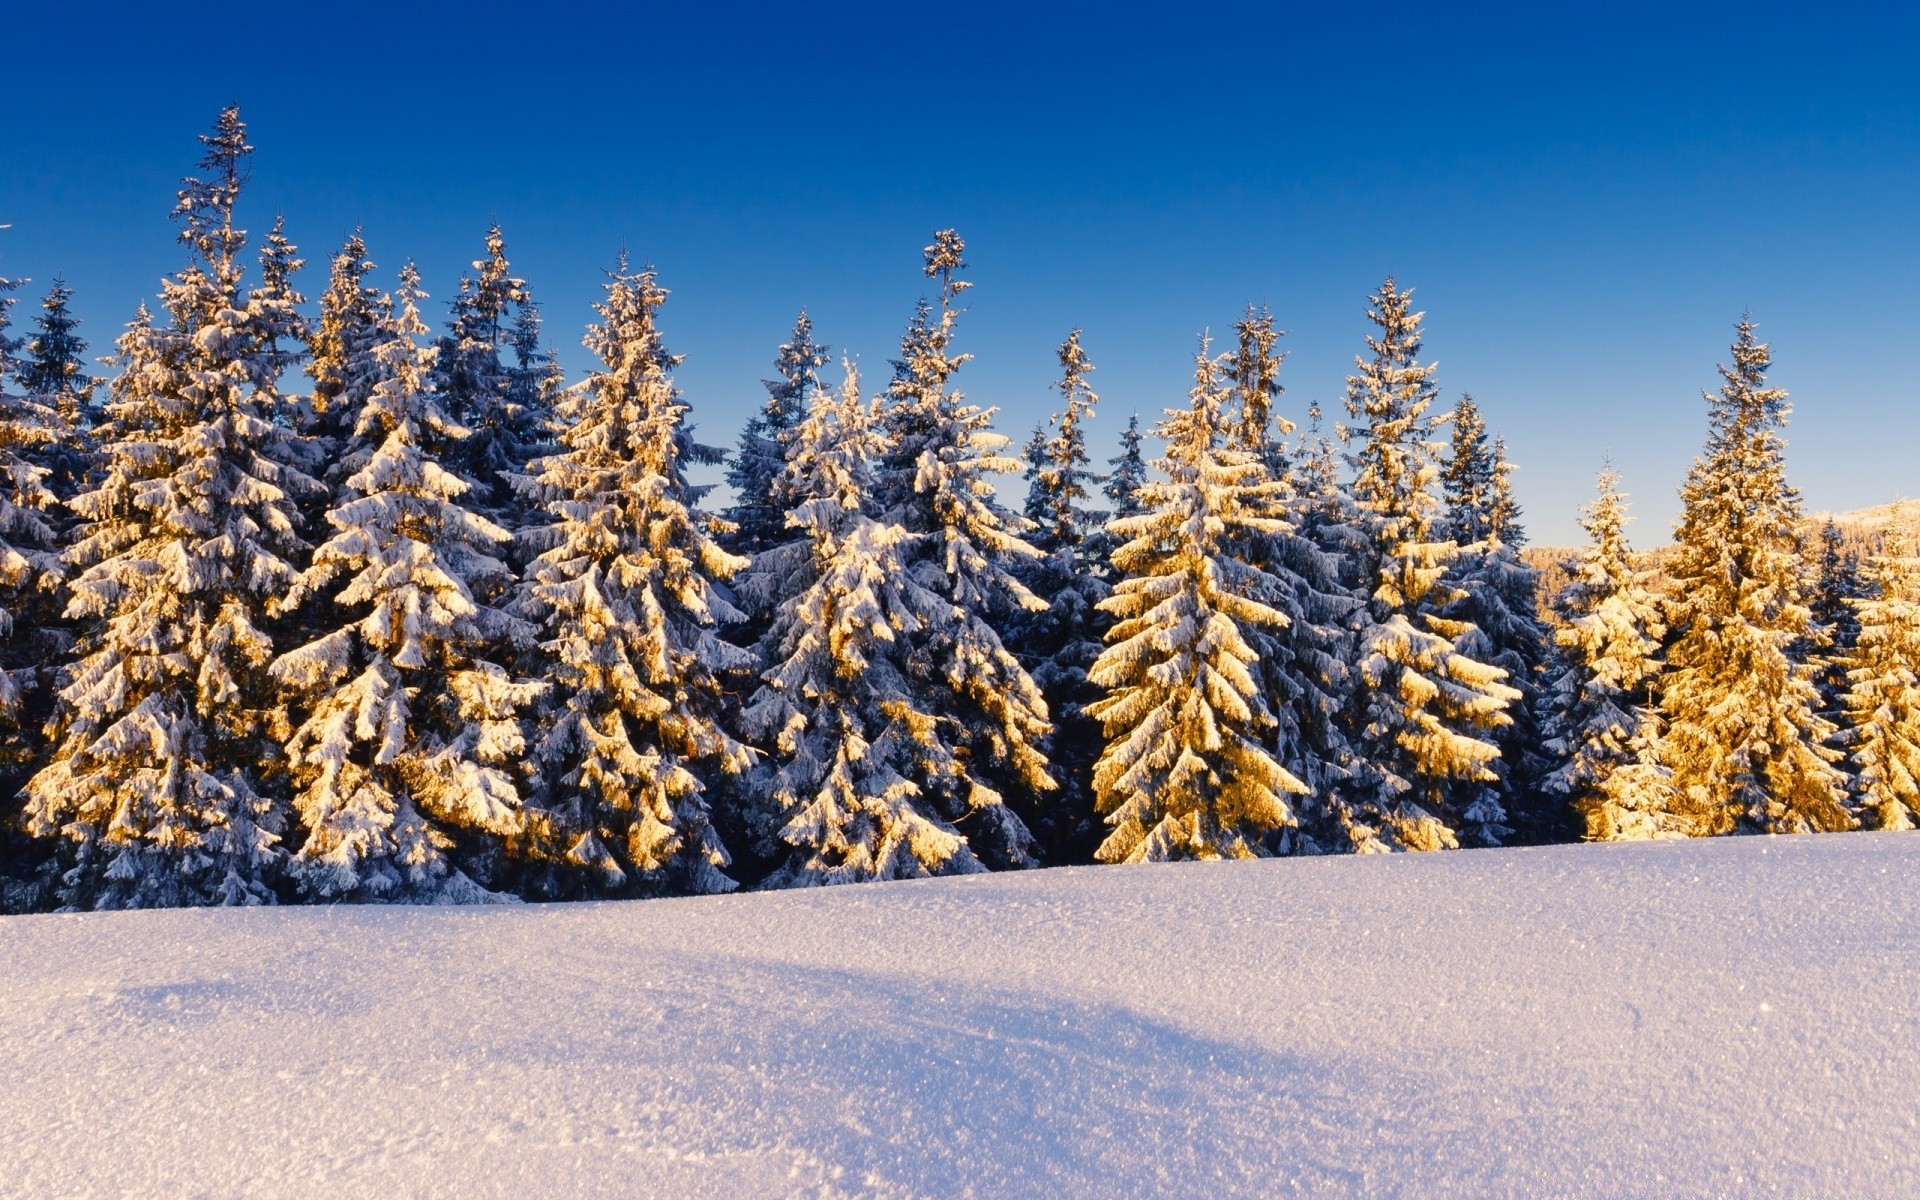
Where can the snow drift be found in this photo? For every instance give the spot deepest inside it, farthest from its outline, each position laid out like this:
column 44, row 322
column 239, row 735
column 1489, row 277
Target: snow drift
column 1725, row 1017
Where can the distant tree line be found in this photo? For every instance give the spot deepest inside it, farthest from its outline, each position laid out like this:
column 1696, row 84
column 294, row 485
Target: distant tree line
column 315, row 603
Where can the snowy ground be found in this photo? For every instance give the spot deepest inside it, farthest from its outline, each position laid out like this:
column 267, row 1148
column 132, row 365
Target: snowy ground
column 1735, row 1017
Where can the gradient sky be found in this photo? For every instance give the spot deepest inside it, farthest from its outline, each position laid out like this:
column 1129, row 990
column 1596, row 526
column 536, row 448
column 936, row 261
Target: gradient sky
column 1584, row 202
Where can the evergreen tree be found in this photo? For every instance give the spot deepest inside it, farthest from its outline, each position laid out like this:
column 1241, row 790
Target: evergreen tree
column 1496, row 593
column 991, row 719
column 1743, row 740
column 1299, row 662
column 1187, row 771
column 759, row 512
column 535, row 380
column 1122, row 490
column 1035, row 456
column 353, row 317
column 840, row 708
column 1836, row 621
column 1599, row 698
column 1467, row 476
column 163, row 743
column 409, row 735
column 1421, row 712
column 52, row 373
column 1060, row 643
column 1256, row 388
column 626, row 592
column 1129, row 472
column 477, row 385
column 29, row 561
column 1883, row 696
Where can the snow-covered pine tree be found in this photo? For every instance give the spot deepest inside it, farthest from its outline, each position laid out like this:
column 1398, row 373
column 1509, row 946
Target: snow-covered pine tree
column 1603, row 689
column 1188, row 772
column 475, row 382
column 1298, row 662
column 1060, row 643
column 1497, row 594
column 1034, row 508
column 353, row 317
column 1129, row 472
column 1836, row 621
column 52, row 373
column 1421, row 714
column 409, row 733
column 1883, row 697
column 759, row 510
column 1256, row 388
column 535, row 380
column 626, row 599
column 936, row 483
column 839, row 710
column 1743, row 738
column 1122, row 490
column 163, row 742
column 29, row 551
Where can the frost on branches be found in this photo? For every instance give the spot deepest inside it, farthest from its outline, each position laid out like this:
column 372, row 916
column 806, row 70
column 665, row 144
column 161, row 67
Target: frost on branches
column 1600, row 701
column 1187, row 772
column 1743, row 740
column 403, row 759
column 840, row 709
column 1422, row 713
column 1883, row 686
column 626, row 598
column 991, row 720
column 163, row 733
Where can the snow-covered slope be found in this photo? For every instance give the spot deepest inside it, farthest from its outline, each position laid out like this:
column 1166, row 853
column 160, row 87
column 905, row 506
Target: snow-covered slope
column 1735, row 1017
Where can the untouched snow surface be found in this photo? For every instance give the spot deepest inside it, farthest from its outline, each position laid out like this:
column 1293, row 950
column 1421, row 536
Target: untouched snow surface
column 1718, row 1018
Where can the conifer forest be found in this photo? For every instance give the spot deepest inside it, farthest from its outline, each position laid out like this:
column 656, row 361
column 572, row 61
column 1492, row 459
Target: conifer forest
column 324, row 590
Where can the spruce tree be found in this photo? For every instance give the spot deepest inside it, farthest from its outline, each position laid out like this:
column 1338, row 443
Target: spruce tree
column 408, row 732
column 840, row 710
column 626, row 594
column 1836, row 622
column 164, row 742
column 52, row 374
column 30, row 567
column 1187, row 772
column 991, row 719
column 759, row 511
column 1299, row 663
column 1129, row 472
column 1743, row 740
column 1034, row 454
column 1421, row 713
column 1060, row 643
column 1599, row 698
column 476, row 384
column 1882, row 702
column 1497, row 594
column 353, row 318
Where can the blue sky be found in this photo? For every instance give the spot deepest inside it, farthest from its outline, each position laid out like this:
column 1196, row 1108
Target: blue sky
column 1584, row 202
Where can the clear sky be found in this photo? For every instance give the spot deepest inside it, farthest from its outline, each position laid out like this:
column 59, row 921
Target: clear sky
column 1585, row 202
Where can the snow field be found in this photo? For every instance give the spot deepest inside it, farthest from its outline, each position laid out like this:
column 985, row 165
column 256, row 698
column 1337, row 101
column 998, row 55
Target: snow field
column 1715, row 1017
